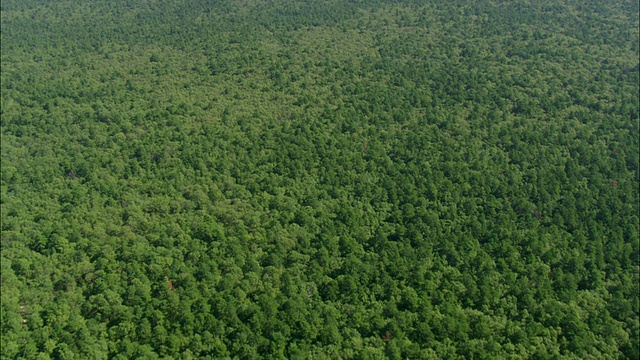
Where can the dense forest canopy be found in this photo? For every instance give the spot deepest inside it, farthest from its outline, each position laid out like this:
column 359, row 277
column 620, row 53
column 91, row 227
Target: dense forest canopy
column 362, row 179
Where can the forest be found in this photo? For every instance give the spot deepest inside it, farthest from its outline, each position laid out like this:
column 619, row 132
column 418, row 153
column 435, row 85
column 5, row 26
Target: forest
column 327, row 179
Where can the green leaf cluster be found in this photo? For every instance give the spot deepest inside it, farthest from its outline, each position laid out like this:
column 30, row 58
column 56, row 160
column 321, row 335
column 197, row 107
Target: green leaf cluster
column 319, row 179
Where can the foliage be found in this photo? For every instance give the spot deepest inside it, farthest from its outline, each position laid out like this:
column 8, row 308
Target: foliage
column 319, row 179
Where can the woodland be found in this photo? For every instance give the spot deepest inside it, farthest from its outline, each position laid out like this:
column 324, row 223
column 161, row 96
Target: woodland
column 328, row 179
